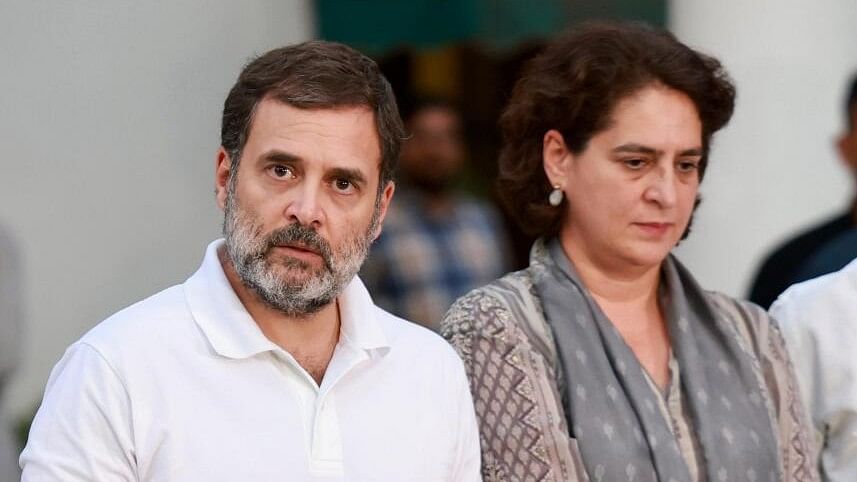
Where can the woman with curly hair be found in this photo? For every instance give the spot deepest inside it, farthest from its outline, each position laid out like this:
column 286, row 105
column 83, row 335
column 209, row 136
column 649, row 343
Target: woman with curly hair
column 604, row 360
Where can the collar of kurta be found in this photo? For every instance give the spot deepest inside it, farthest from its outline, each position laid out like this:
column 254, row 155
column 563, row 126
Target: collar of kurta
column 232, row 332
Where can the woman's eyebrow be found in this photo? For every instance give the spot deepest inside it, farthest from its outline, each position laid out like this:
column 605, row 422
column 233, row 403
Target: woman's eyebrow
column 633, row 148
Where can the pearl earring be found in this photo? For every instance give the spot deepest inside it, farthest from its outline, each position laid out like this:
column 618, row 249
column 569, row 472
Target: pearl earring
column 555, row 197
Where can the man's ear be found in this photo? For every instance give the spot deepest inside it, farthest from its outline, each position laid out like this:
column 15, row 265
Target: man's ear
column 555, row 158
column 384, row 203
column 222, row 173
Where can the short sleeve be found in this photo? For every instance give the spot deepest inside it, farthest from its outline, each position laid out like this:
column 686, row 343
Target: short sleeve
column 83, row 430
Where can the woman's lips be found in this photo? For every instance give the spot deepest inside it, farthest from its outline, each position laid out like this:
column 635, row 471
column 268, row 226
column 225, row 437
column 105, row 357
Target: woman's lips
column 654, row 228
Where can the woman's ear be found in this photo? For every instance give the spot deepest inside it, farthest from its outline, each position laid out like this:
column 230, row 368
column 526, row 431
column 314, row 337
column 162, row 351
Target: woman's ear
column 555, row 158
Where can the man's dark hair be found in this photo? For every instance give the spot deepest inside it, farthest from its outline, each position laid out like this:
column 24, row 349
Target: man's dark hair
column 314, row 75
column 574, row 85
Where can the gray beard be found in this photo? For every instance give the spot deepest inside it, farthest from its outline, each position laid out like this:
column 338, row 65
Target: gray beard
column 280, row 284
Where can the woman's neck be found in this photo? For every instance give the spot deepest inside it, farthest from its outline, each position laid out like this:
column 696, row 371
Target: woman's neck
column 611, row 281
column 629, row 299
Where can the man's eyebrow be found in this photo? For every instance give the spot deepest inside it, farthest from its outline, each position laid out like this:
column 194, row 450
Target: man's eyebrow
column 696, row 151
column 280, row 156
column 353, row 175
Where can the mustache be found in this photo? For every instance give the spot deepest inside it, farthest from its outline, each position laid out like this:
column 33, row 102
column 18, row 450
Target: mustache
column 301, row 235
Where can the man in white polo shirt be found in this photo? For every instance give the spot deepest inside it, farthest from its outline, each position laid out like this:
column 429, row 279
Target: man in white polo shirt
column 271, row 362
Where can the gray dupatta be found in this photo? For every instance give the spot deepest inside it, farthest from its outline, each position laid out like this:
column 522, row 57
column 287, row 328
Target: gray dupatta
column 610, row 405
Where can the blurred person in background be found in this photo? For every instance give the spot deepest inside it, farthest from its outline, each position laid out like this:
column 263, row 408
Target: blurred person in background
column 10, row 342
column 830, row 256
column 271, row 362
column 819, row 321
column 604, row 360
column 438, row 242
column 823, row 248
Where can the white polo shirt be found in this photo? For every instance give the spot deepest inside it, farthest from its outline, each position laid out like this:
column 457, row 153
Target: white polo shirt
column 183, row 386
column 818, row 319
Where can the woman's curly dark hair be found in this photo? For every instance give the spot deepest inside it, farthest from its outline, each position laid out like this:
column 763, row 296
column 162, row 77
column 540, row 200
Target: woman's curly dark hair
column 573, row 87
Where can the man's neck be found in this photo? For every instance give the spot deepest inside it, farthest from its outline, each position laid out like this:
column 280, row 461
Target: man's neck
column 310, row 339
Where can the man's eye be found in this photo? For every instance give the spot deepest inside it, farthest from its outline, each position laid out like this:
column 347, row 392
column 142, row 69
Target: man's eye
column 343, row 185
column 635, row 164
column 282, row 172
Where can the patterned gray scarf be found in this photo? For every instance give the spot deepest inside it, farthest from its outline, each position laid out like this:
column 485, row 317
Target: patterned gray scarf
column 610, row 406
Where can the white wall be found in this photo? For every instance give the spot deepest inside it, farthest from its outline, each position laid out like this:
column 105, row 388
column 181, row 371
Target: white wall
column 109, row 120
column 774, row 169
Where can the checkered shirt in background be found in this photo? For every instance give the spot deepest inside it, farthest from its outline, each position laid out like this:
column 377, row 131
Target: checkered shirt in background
column 420, row 265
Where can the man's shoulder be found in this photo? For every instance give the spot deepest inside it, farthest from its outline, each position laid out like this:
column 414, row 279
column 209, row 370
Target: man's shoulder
column 141, row 323
column 819, row 297
column 412, row 339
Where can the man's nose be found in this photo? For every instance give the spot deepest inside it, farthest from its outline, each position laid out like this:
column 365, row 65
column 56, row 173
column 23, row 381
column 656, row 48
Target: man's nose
column 304, row 206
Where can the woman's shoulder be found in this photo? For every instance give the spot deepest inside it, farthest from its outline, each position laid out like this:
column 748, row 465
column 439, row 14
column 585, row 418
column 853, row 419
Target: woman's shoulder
column 494, row 307
column 752, row 323
column 500, row 332
column 505, row 313
column 761, row 334
column 735, row 307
